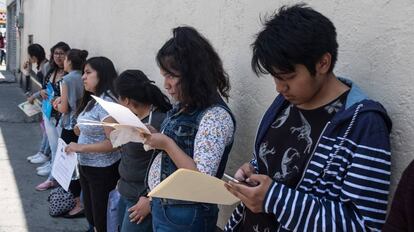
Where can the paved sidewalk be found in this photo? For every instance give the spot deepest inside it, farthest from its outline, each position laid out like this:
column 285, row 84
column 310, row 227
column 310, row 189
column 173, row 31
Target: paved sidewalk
column 22, row 207
column 6, row 77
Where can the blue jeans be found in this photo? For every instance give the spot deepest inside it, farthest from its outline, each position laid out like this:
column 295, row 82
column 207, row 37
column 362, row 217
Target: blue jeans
column 52, row 159
column 124, row 221
column 183, row 217
column 44, row 145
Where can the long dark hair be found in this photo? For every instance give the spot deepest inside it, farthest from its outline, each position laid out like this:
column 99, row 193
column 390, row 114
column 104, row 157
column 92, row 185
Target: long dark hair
column 189, row 56
column 135, row 85
column 60, row 45
column 37, row 51
column 77, row 57
column 106, row 74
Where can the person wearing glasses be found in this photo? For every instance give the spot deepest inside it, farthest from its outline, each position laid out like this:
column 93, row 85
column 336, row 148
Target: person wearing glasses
column 53, row 78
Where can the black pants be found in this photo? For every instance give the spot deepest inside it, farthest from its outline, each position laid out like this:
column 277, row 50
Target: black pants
column 96, row 184
column 69, row 136
column 2, row 56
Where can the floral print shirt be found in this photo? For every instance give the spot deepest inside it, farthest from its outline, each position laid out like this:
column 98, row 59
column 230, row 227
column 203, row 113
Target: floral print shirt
column 214, row 133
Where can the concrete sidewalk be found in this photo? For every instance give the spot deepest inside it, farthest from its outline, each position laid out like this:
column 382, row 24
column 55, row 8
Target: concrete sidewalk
column 5, row 76
column 22, row 207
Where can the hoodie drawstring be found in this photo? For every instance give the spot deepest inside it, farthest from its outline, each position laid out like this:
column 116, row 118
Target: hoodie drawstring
column 343, row 139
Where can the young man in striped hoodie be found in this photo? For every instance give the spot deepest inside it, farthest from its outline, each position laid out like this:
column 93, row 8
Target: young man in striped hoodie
column 322, row 151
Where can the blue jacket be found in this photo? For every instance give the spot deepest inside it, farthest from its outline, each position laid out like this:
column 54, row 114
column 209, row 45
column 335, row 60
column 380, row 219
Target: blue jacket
column 346, row 182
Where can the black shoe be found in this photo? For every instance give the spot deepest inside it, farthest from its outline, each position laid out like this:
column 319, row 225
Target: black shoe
column 76, row 215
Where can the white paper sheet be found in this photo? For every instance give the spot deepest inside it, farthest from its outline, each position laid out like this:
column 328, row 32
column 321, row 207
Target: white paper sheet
column 121, row 114
column 64, row 165
column 30, row 109
column 128, row 129
column 124, row 134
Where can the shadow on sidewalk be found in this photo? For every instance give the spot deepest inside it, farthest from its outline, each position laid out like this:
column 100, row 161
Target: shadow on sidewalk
column 23, row 208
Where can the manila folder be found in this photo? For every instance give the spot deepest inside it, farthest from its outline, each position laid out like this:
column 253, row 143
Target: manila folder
column 190, row 185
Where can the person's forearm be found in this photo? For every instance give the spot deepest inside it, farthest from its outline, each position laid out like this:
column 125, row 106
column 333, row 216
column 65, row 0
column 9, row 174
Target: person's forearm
column 62, row 109
column 179, row 157
column 36, row 94
column 102, row 147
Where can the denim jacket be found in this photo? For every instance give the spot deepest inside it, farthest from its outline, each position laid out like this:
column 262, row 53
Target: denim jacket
column 182, row 127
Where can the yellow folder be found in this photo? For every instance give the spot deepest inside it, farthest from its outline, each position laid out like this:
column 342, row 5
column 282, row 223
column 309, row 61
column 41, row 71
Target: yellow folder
column 190, row 185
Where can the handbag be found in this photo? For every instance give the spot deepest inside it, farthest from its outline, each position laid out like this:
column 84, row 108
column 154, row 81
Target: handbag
column 60, row 202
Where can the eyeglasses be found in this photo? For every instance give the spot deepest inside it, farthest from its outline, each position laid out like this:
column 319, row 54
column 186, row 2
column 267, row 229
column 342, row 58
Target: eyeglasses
column 59, row 54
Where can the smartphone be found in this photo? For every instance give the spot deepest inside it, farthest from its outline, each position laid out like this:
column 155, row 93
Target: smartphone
column 231, row 178
column 238, row 181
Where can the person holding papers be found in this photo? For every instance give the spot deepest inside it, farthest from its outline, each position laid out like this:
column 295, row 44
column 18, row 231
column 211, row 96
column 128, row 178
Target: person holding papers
column 51, row 83
column 37, row 55
column 197, row 133
column 66, row 104
column 98, row 160
column 322, row 151
column 71, row 93
column 146, row 100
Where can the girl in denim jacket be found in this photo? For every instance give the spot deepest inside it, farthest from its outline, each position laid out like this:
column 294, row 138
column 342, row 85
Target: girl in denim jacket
column 197, row 133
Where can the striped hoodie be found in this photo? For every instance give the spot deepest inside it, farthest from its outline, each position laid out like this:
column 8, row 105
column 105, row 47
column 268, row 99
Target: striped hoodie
column 345, row 184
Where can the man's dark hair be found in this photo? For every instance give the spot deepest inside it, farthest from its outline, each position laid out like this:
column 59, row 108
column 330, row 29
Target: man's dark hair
column 294, row 35
column 200, row 70
column 37, row 51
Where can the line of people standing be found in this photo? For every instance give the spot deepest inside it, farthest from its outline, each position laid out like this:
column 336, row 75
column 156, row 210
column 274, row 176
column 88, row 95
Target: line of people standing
column 321, row 158
column 197, row 132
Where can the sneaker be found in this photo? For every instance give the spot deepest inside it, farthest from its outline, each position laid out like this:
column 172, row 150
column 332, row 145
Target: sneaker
column 46, row 185
column 44, row 165
column 39, row 159
column 45, row 171
column 34, row 156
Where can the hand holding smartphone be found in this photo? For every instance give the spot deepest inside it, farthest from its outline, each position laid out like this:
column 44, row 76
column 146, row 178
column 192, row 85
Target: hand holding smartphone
column 247, row 183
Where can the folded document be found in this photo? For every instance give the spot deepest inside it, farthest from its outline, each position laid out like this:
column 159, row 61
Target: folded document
column 195, row 186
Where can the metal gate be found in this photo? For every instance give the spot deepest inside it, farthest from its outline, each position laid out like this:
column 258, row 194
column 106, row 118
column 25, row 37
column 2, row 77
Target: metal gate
column 11, row 46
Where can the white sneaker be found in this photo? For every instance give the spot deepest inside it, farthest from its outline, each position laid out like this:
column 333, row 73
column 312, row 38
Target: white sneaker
column 44, row 165
column 40, row 159
column 45, row 171
column 34, row 156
